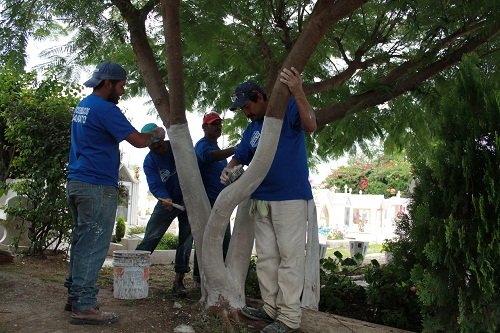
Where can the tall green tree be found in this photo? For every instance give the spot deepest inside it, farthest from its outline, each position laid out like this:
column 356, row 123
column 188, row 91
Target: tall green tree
column 35, row 116
column 370, row 57
column 355, row 56
column 455, row 213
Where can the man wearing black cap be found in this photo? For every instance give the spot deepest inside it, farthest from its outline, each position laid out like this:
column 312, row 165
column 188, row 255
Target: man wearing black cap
column 163, row 183
column 97, row 128
column 211, row 161
column 279, row 204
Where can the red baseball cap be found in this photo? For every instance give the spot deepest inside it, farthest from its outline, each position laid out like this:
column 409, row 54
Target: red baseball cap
column 211, row 117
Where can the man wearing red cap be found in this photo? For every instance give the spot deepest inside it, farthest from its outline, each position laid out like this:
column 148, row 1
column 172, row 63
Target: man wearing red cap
column 211, row 161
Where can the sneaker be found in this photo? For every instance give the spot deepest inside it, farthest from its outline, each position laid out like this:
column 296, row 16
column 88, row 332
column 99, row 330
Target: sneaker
column 93, row 317
column 256, row 314
column 277, row 327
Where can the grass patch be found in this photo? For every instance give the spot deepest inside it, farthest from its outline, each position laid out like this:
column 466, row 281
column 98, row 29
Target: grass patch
column 210, row 323
column 372, row 248
column 345, row 253
column 57, row 277
column 136, row 230
column 106, row 276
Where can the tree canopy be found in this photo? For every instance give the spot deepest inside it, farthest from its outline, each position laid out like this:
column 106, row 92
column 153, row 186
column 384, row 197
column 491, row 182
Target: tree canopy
column 374, row 52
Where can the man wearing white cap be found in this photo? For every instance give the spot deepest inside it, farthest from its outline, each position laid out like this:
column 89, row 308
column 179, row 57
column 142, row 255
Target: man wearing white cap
column 97, row 128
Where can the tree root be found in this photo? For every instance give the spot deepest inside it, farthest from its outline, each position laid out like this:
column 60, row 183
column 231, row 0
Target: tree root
column 230, row 316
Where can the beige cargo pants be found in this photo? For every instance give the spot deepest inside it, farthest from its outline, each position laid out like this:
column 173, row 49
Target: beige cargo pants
column 280, row 241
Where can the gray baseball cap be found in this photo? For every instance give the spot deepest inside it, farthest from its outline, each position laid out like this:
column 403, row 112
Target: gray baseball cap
column 106, row 71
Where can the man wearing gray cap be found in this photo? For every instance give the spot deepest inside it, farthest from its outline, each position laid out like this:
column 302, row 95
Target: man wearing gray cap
column 97, row 128
column 279, row 204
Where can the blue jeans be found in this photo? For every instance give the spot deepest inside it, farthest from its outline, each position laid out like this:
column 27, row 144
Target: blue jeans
column 158, row 223
column 93, row 208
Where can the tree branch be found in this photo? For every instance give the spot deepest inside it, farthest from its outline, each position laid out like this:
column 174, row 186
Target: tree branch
column 172, row 32
column 145, row 57
column 414, row 77
column 323, row 16
column 339, row 79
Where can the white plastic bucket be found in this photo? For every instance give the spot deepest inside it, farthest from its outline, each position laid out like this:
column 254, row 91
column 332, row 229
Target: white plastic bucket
column 131, row 274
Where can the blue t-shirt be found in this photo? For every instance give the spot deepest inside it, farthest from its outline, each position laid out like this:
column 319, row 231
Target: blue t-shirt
column 288, row 177
column 161, row 175
column 97, row 128
column 210, row 170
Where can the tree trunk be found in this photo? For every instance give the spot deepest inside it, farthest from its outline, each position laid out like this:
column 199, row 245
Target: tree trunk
column 223, row 283
column 321, row 322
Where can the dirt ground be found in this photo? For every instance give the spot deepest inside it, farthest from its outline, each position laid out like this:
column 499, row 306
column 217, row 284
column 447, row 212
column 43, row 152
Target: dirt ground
column 32, row 299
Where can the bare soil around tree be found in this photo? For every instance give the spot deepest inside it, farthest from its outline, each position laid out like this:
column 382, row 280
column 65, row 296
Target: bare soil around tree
column 32, row 299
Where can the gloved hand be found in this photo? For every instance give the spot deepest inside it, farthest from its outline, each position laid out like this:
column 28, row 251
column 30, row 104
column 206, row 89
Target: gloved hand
column 230, row 175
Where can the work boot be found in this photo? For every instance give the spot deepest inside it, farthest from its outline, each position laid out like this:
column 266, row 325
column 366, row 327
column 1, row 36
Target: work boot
column 178, row 286
column 256, row 314
column 69, row 305
column 277, row 327
column 93, row 317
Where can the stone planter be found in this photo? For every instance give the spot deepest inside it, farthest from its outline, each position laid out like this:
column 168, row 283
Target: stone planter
column 337, row 244
column 166, row 257
column 130, row 243
column 356, row 247
column 114, row 247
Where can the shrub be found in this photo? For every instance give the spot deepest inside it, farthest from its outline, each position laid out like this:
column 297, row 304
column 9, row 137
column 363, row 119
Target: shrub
column 136, row 230
column 382, row 175
column 335, row 235
column 120, row 228
column 391, row 296
column 252, row 288
column 339, row 294
column 35, row 118
column 168, row 242
column 455, row 212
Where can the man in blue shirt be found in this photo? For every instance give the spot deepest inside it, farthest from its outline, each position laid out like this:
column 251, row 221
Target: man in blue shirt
column 163, row 182
column 97, row 128
column 279, row 204
column 212, row 160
